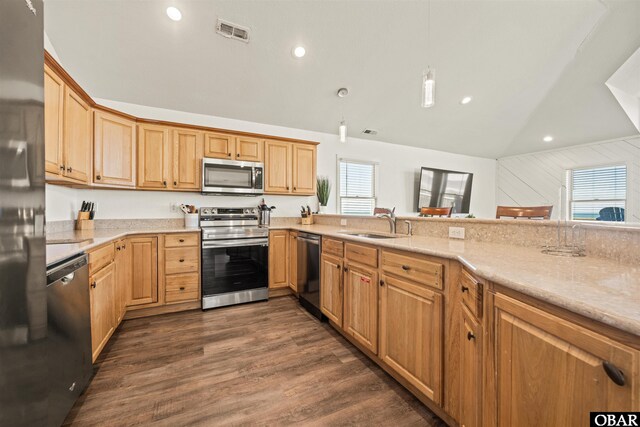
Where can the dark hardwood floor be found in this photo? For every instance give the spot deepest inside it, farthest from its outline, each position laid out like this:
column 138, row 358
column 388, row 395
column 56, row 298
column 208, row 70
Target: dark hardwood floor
column 256, row 364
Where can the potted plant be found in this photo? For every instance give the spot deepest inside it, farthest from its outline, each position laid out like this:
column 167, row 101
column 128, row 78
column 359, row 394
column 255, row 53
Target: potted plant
column 323, row 191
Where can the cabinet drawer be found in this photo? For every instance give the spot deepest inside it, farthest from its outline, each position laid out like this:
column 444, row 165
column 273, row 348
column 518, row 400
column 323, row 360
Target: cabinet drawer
column 413, row 267
column 179, row 240
column 181, row 260
column 361, row 254
column 332, row 246
column 98, row 258
column 181, row 287
column 471, row 290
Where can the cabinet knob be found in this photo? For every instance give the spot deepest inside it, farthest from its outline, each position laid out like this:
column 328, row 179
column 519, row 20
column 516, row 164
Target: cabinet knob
column 181, row 260
column 338, row 266
column 98, row 177
column 93, row 284
column 181, row 240
column 229, row 154
column 62, row 168
column 381, row 282
column 614, row 373
column 117, row 248
column 346, row 269
column 406, row 268
column 287, row 187
column 464, row 288
column 124, row 246
column 238, row 155
column 182, row 288
column 175, row 182
column 470, row 336
column 69, row 169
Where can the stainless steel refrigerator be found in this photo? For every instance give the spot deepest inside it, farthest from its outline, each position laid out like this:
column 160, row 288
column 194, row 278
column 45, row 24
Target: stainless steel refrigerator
column 23, row 303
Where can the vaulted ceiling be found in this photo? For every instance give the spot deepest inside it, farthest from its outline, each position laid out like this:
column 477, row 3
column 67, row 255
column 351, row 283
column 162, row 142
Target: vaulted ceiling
column 533, row 67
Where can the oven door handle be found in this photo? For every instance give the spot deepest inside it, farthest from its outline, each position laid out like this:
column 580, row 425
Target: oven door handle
column 234, row 243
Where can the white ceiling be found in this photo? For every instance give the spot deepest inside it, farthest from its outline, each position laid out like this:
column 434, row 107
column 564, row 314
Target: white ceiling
column 533, row 67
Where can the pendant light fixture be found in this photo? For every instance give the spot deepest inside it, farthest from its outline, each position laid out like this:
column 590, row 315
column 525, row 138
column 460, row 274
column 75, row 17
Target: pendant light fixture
column 428, row 89
column 342, row 129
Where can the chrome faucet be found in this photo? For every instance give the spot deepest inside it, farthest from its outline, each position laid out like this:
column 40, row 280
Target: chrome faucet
column 391, row 217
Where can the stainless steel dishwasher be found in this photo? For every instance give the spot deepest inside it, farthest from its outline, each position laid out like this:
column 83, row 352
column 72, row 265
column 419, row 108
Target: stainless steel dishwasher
column 68, row 335
column 309, row 249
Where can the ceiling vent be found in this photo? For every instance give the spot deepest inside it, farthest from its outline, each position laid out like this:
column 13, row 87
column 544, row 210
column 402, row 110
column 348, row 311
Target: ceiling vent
column 232, row 31
column 370, row 132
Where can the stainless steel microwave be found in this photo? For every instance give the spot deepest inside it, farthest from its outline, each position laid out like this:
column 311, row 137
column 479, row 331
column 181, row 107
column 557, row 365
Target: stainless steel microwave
column 232, row 177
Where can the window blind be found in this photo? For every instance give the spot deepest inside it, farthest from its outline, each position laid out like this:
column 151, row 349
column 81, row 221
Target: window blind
column 594, row 189
column 357, row 187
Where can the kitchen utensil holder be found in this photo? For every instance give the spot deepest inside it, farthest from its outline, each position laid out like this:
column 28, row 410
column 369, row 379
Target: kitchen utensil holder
column 191, row 220
column 83, row 222
column 308, row 220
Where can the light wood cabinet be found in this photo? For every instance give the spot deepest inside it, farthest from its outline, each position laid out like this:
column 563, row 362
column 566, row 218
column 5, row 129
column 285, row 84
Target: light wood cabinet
column 187, row 159
column 278, row 258
column 411, row 333
column 226, row 146
column 293, row 261
column 144, row 282
column 123, row 277
column 102, row 302
column 361, row 305
column 277, row 167
column 331, row 288
column 53, row 123
column 550, row 371
column 77, row 137
column 471, row 340
column 181, row 268
column 153, row 156
column 249, row 149
column 114, row 150
column 304, row 169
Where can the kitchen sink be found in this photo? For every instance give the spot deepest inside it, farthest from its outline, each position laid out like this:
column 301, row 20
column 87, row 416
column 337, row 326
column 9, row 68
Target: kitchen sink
column 372, row 235
column 66, row 241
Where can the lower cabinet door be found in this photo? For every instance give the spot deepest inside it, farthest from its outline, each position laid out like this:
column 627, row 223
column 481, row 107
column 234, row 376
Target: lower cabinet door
column 470, row 370
column 361, row 305
column 103, row 307
column 411, row 334
column 331, row 297
column 552, row 372
column 144, row 271
column 278, row 259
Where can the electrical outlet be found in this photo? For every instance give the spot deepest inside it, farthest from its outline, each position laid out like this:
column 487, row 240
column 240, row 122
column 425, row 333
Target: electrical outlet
column 173, row 206
column 343, row 222
column 456, row 232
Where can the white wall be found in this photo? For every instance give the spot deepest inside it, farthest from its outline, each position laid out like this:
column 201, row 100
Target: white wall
column 535, row 179
column 399, row 167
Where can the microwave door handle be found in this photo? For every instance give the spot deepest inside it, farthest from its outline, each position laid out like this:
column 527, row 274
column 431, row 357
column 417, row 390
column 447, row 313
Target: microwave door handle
column 253, row 178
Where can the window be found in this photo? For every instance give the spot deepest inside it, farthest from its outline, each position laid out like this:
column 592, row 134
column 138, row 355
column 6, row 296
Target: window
column 598, row 193
column 357, row 187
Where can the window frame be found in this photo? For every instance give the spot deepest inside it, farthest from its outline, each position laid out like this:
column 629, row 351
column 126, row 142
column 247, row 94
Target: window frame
column 569, row 186
column 376, row 174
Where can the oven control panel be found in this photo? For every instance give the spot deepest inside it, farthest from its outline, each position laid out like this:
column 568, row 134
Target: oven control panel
column 228, row 211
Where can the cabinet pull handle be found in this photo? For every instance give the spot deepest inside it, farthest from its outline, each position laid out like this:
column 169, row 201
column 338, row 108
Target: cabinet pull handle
column 406, row 268
column 464, row 288
column 98, row 177
column 181, row 259
column 381, row 282
column 470, row 336
column 614, row 373
column 93, row 284
column 182, row 288
column 164, row 183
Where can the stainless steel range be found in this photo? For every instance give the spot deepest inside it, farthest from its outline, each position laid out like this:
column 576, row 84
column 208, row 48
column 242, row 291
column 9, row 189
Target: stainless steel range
column 235, row 257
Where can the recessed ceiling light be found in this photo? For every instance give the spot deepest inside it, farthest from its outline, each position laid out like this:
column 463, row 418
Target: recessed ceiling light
column 298, row 52
column 174, row 13
column 547, row 138
column 465, row 100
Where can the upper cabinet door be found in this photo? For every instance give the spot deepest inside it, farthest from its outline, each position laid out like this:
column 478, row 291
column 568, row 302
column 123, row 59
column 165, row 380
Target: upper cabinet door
column 114, row 150
column 153, row 156
column 278, row 167
column 53, row 111
column 249, row 149
column 77, row 137
column 304, row 169
column 219, row 145
column 187, row 159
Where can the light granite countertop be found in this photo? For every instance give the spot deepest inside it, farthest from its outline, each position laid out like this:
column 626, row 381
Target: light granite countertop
column 89, row 239
column 600, row 289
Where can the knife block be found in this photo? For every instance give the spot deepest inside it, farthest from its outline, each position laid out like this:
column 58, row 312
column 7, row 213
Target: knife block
column 83, row 222
column 307, row 221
